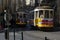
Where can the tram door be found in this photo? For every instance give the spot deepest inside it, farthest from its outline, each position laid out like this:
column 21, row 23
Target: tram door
column 38, row 15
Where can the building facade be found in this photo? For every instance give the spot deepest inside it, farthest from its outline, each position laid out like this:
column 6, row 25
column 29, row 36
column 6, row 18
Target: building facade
column 58, row 11
column 30, row 2
column 13, row 5
column 4, row 4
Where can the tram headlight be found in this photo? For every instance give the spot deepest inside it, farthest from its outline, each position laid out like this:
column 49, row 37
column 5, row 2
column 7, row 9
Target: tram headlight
column 39, row 22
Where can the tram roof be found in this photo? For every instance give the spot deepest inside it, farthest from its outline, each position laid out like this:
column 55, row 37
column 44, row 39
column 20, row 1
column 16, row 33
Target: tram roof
column 42, row 9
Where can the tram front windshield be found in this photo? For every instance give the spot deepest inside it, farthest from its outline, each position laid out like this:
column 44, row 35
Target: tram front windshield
column 41, row 14
column 45, row 14
column 22, row 16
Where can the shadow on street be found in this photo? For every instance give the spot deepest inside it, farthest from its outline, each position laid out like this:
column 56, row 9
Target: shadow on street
column 30, row 28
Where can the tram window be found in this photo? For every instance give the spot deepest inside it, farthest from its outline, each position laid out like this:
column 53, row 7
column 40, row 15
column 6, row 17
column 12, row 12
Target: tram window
column 1, row 18
column 17, row 15
column 46, row 14
column 20, row 15
column 36, row 13
column 51, row 14
column 24, row 15
column 41, row 14
column 32, row 16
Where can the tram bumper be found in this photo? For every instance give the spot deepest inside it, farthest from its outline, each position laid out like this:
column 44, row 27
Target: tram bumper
column 46, row 26
column 21, row 24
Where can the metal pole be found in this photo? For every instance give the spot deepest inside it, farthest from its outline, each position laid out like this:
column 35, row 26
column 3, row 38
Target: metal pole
column 7, row 32
column 14, row 16
column 22, row 35
column 46, row 38
column 6, row 35
column 14, row 33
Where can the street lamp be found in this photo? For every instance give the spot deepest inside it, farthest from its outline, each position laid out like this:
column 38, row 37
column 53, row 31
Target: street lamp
column 7, row 27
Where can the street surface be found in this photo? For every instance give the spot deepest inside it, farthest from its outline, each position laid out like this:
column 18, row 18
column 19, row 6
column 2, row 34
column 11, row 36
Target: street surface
column 32, row 35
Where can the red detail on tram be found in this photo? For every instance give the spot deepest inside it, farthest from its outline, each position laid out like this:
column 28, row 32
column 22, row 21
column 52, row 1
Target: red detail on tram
column 47, row 22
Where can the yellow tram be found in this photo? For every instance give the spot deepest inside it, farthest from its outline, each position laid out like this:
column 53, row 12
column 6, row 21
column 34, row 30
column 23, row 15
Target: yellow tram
column 21, row 19
column 43, row 17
